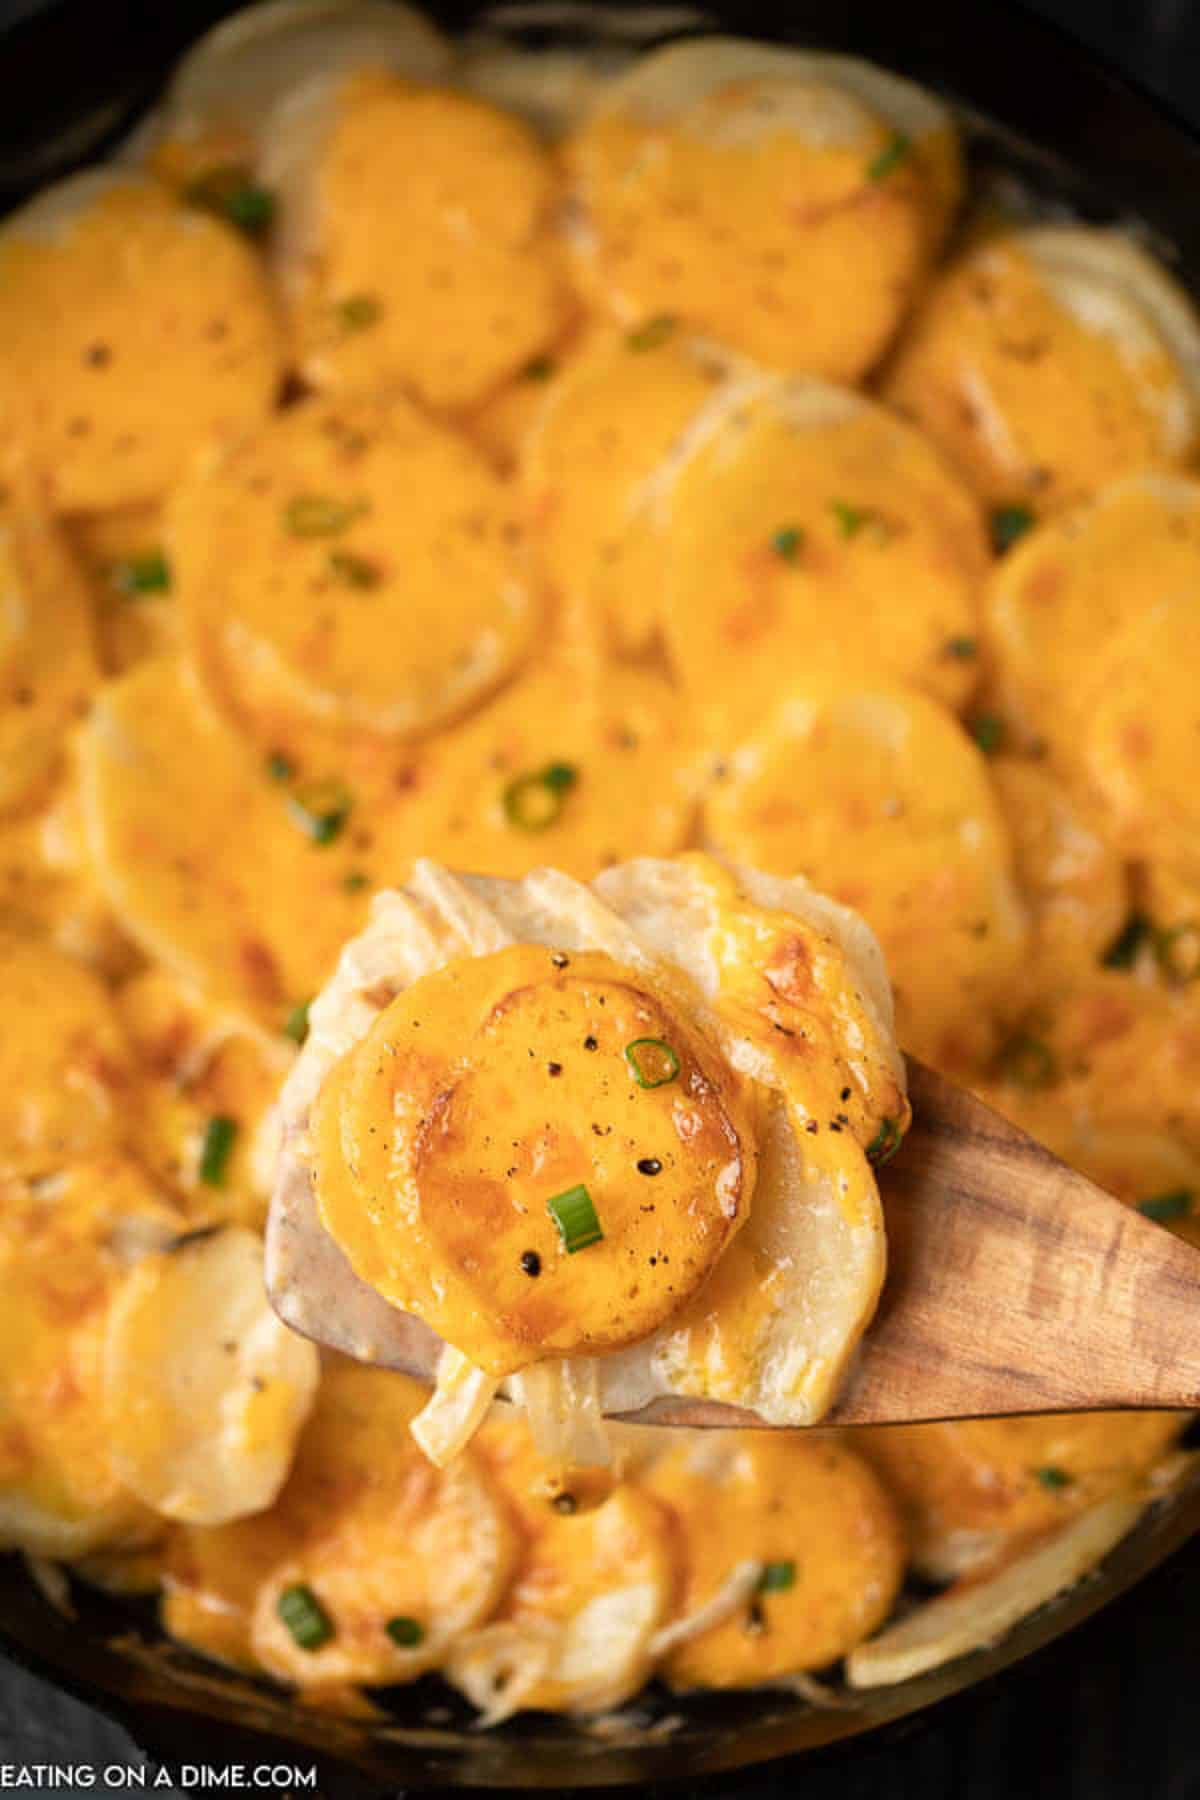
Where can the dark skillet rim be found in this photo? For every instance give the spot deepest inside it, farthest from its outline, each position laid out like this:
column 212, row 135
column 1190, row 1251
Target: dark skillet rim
column 84, row 73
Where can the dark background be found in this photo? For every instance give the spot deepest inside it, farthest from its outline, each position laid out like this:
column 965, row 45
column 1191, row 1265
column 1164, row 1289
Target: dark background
column 1110, row 1713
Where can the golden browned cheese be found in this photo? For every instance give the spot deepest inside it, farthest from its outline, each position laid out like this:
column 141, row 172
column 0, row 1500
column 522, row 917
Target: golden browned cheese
column 1038, row 395
column 351, row 567
column 132, row 330
column 492, row 1091
column 812, row 1512
column 375, row 1534
column 807, row 528
column 66, row 1243
column 878, row 796
column 431, row 258
column 774, row 214
column 48, row 665
column 970, row 1488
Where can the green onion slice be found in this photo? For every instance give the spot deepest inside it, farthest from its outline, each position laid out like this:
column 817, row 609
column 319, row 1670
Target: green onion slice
column 533, row 801
column 540, row 368
column 776, row 1577
column 788, row 542
column 1122, row 953
column 358, row 312
column 575, row 1216
column 850, row 519
column 295, row 1025
column 305, row 1617
column 321, row 808
column 1027, row 1062
column 355, row 880
column 884, row 1145
column 353, row 571
column 1008, row 524
column 1053, row 1478
column 149, row 573
column 320, row 515
column 280, row 767
column 988, row 731
column 653, row 333
column 408, row 1633
column 653, row 1061
column 216, row 1148
column 1178, row 1204
column 231, row 193
column 964, row 648
column 890, row 157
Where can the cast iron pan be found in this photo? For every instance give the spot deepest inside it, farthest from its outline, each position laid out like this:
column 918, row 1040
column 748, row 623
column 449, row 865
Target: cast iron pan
column 73, row 78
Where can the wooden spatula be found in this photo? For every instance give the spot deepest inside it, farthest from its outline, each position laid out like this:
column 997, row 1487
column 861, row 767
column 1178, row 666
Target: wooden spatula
column 1014, row 1286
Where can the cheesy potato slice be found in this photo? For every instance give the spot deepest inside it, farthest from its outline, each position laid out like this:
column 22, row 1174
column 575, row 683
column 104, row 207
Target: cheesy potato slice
column 1049, row 361
column 350, row 567
column 424, row 251
column 1056, row 604
column 759, row 195
column 205, row 1391
column 876, row 795
column 48, row 665
column 808, row 527
column 819, row 1526
column 575, row 1628
column 576, row 1086
column 238, row 876
column 970, row 1488
column 132, row 331
column 68, row 1242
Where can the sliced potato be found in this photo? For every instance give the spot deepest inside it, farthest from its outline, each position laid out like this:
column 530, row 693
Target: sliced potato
column 876, row 795
column 977, row 1612
column 67, row 1242
column 574, row 1629
column 969, row 1488
column 1050, row 361
column 47, row 890
column 313, row 596
column 808, row 527
column 553, row 88
column 113, row 380
column 819, row 1522
column 1055, row 605
column 205, row 1390
column 65, row 1068
column 209, row 862
column 430, row 258
column 755, row 193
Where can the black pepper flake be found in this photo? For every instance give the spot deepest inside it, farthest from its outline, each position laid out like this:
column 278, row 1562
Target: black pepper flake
column 591, row 1043
column 845, row 1093
column 649, row 1165
column 811, row 1125
column 531, row 1262
column 560, row 961
column 565, row 1503
column 756, row 1619
column 834, row 1126
column 554, row 1068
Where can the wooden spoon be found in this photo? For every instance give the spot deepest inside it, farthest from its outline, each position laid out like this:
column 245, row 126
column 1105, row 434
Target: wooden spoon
column 1014, row 1285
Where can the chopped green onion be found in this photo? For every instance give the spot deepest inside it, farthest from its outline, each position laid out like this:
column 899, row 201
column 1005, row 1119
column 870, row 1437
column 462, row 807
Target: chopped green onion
column 988, row 731
column 890, row 157
column 305, row 1617
column 321, row 808
column 541, row 368
column 354, row 571
column 850, row 519
column 653, row 333
column 575, row 1216
column 1178, row 951
column 788, row 542
column 964, row 648
column 280, row 767
column 1027, row 1062
column 534, row 800
column 354, row 881
column 777, row 1576
column 215, row 1149
column 653, row 1061
column 1008, row 524
column 408, row 1633
column 1053, row 1478
column 231, row 193
column 295, row 1025
column 358, row 312
column 149, row 573
column 1163, row 1207
column 884, row 1145
column 1122, row 953
column 319, row 515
